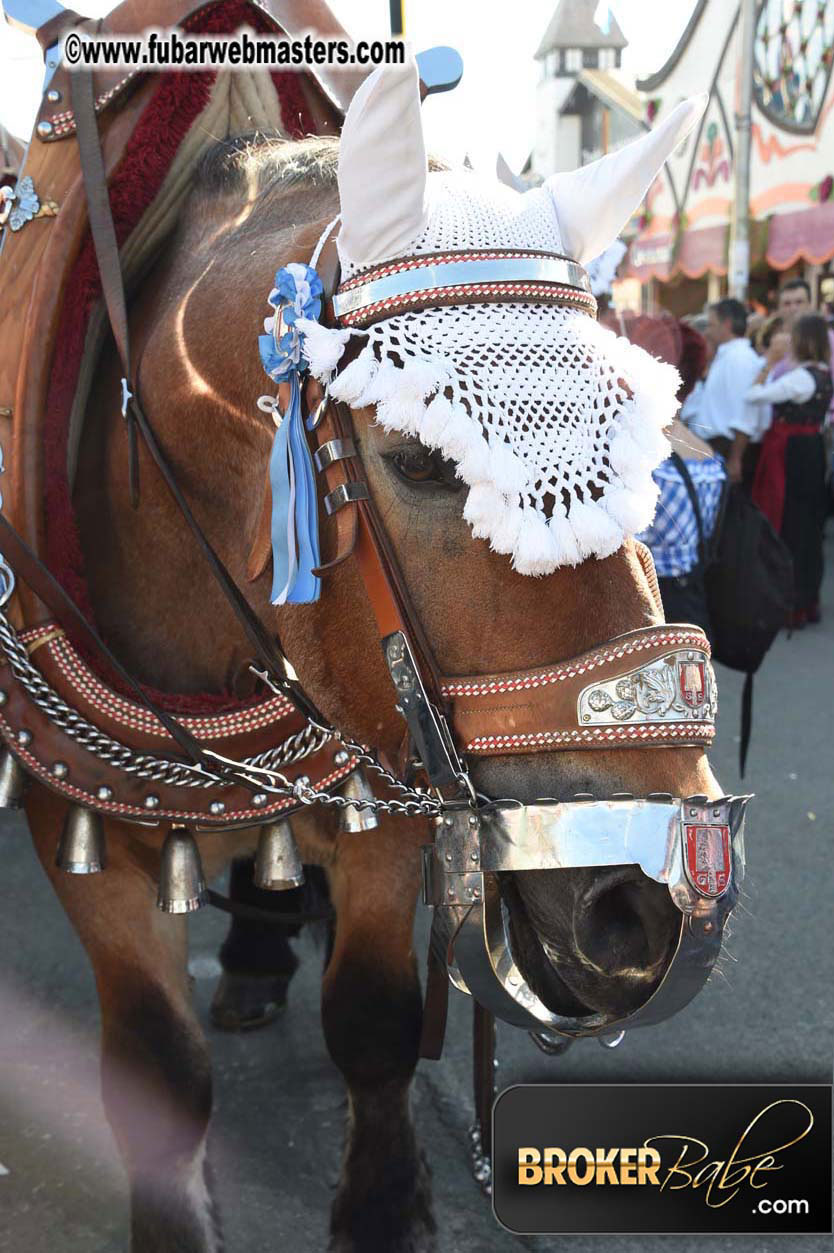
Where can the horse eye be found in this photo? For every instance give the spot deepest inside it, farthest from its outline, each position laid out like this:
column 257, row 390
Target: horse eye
column 416, row 465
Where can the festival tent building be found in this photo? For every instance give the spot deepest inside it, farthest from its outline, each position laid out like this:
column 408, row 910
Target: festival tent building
column 680, row 251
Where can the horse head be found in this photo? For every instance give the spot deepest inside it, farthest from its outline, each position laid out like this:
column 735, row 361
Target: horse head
column 507, row 450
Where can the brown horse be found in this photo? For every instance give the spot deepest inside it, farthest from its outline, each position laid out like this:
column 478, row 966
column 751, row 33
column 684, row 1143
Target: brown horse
column 256, row 205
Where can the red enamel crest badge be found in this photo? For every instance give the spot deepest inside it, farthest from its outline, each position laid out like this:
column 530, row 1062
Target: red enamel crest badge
column 707, row 849
column 692, row 682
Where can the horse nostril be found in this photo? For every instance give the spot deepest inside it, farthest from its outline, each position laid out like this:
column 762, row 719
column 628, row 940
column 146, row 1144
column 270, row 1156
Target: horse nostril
column 623, row 923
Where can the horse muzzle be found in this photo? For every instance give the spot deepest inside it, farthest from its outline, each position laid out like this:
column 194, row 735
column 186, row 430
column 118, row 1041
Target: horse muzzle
column 694, row 846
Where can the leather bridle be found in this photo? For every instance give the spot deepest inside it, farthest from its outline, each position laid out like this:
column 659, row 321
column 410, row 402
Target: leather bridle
column 577, row 703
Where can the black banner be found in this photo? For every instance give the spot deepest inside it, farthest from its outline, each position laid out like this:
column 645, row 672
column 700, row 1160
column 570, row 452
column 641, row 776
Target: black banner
column 670, row 1158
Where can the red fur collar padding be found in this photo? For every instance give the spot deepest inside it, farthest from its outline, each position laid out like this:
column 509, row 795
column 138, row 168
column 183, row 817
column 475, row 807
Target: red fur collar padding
column 172, row 109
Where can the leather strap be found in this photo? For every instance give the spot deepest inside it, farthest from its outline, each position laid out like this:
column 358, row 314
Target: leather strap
column 54, row 30
column 106, row 244
column 378, row 565
column 43, row 583
column 483, row 1072
column 652, row 686
column 435, row 1007
column 460, row 276
column 103, row 232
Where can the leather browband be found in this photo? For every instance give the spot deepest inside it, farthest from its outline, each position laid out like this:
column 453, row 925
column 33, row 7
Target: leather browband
column 470, row 276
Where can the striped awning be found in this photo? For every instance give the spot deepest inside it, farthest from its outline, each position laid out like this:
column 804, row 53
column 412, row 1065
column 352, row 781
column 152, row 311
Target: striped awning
column 779, row 241
column 650, row 256
column 693, row 254
column 804, row 236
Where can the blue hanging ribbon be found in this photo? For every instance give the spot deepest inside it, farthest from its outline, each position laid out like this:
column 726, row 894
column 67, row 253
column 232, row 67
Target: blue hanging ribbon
column 295, row 535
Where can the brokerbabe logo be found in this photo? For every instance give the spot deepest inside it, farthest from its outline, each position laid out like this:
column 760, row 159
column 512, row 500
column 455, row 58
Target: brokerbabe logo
column 664, row 1158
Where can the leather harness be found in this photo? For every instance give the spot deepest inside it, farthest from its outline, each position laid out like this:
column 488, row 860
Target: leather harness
column 652, row 686
column 477, row 715
column 98, row 707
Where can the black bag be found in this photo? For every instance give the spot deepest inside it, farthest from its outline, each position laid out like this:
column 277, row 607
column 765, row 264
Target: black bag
column 749, row 585
column 748, row 575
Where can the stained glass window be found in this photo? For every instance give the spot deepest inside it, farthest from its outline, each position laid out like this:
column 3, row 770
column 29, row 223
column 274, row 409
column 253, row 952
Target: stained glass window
column 792, row 60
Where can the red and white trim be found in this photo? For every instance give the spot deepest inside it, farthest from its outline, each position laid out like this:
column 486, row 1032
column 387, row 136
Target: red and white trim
column 583, row 665
column 127, row 713
column 473, row 293
column 679, row 733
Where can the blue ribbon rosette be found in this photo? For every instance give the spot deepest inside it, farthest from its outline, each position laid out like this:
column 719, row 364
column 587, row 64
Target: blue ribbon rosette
column 295, row 537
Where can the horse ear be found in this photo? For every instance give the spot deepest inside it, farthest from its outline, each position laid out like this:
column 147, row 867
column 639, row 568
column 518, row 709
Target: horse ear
column 593, row 204
column 505, row 175
column 382, row 167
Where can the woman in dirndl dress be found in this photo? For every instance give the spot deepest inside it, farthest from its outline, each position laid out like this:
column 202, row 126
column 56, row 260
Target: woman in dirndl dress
column 789, row 486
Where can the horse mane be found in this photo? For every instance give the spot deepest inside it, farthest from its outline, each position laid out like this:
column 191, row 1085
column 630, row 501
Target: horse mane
column 271, row 164
column 228, row 165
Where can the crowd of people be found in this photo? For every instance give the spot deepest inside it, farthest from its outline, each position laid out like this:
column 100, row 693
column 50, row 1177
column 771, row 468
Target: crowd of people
column 757, row 414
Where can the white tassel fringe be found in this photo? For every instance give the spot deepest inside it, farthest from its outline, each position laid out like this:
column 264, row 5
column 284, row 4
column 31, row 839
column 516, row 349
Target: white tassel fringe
column 567, row 549
column 351, row 383
column 412, row 399
column 322, row 346
column 536, row 552
column 595, row 531
column 483, row 503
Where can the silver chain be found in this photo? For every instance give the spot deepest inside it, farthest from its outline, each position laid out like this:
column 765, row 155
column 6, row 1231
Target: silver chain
column 261, row 771
column 416, row 803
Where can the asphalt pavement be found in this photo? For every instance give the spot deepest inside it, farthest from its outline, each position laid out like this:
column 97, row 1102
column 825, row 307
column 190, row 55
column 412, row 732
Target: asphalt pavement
column 280, row 1107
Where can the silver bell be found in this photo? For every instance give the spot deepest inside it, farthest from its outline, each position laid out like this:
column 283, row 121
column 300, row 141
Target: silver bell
column 12, row 781
column 277, row 864
column 182, row 888
column 357, row 788
column 81, row 848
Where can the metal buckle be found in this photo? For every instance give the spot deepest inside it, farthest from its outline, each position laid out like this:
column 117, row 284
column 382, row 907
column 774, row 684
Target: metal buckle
column 333, row 450
column 318, row 417
column 428, row 727
column 127, row 396
column 343, row 495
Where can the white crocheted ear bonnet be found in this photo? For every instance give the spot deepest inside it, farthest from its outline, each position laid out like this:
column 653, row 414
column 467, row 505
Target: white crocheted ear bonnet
column 554, row 422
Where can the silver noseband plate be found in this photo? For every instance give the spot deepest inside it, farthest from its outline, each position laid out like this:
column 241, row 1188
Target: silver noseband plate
column 694, row 846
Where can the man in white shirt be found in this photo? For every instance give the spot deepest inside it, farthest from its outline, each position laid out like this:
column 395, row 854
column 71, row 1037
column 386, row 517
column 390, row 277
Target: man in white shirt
column 724, row 417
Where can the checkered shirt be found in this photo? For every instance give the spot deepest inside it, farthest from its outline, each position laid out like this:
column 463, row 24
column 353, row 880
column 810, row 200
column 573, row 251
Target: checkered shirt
column 673, row 535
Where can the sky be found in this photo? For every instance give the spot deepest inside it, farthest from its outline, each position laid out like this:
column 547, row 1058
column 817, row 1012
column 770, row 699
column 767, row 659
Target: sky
column 493, row 109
